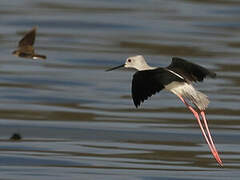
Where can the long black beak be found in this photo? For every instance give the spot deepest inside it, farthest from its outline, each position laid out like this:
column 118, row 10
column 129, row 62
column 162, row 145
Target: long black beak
column 115, row 67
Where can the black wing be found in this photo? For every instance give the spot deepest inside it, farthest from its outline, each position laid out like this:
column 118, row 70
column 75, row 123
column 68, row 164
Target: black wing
column 148, row 82
column 190, row 71
column 28, row 39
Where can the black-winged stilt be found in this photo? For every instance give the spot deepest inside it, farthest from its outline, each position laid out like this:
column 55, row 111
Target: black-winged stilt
column 177, row 78
column 25, row 46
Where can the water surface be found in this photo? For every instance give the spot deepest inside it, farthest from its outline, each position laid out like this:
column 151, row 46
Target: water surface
column 79, row 122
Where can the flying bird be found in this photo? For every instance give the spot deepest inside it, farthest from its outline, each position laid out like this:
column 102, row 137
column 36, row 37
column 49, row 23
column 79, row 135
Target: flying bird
column 176, row 78
column 26, row 46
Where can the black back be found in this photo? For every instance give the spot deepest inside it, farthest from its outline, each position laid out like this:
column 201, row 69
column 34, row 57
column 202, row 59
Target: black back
column 148, row 82
column 190, row 71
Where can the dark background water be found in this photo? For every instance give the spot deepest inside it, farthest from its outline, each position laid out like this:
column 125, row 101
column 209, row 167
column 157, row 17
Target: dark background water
column 79, row 122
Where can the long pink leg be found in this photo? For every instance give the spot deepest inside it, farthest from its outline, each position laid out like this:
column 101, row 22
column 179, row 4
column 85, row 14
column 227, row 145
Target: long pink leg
column 211, row 145
column 210, row 138
column 208, row 131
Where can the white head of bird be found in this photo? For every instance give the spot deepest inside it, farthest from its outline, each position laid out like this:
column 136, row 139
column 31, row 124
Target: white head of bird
column 136, row 62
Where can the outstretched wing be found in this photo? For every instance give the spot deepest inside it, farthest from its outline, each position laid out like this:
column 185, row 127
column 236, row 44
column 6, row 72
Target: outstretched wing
column 148, row 82
column 28, row 39
column 190, row 71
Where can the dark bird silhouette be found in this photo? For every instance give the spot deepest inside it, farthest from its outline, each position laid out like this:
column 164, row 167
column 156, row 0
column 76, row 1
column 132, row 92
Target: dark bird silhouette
column 26, row 46
column 16, row 137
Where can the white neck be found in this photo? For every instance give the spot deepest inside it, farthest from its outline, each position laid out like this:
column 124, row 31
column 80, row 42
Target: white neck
column 144, row 66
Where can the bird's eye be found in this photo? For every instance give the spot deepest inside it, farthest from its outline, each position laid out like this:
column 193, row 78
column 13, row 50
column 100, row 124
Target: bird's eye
column 129, row 60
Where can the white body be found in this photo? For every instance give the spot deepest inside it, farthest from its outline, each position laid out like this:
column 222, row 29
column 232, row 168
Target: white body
column 189, row 92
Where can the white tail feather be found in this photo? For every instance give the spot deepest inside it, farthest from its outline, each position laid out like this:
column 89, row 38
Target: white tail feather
column 187, row 91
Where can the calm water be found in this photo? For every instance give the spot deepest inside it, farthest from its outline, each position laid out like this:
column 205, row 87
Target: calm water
column 79, row 122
